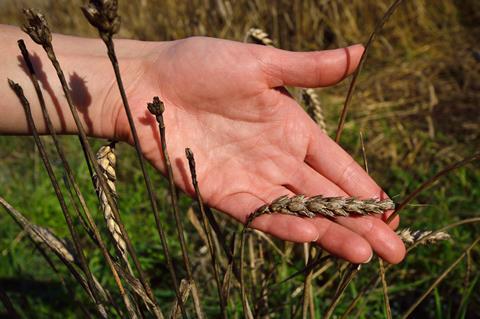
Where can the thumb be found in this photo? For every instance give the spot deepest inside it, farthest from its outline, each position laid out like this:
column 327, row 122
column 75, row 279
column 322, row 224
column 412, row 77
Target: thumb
column 308, row 69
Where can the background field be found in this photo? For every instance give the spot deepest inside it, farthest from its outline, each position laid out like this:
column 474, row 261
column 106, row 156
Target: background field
column 417, row 102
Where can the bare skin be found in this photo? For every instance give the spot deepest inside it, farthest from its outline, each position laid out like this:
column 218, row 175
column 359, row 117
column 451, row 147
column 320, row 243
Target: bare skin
column 224, row 100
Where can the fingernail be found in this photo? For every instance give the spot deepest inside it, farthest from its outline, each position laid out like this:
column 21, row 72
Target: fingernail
column 369, row 259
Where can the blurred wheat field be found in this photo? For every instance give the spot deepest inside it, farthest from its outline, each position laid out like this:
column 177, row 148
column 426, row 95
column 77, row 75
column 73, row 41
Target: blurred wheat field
column 416, row 102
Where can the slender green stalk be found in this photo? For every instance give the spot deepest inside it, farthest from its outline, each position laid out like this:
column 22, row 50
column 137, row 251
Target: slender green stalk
column 439, row 279
column 384, row 289
column 347, row 278
column 430, row 181
column 376, row 280
column 71, row 180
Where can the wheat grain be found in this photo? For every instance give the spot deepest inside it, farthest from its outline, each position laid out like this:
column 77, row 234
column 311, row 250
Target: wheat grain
column 314, row 107
column 106, row 160
column 260, row 37
column 300, row 205
column 411, row 237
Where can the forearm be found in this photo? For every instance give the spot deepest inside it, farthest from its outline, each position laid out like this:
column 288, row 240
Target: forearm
column 88, row 73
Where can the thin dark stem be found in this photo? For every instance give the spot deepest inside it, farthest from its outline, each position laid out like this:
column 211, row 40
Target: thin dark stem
column 223, row 240
column 67, row 287
column 348, row 99
column 71, row 181
column 439, row 279
column 430, row 181
column 246, row 308
column 384, row 289
column 157, row 108
column 193, row 171
column 364, row 153
column 68, row 218
column 351, row 272
column 7, row 303
column 376, row 280
column 39, row 24
column 24, row 224
column 380, row 261
column 307, row 285
column 151, row 195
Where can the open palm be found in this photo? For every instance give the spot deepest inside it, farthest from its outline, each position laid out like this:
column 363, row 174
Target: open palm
column 252, row 142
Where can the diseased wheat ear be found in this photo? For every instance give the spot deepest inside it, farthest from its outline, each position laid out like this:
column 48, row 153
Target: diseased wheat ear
column 44, row 236
column 302, row 206
column 259, row 36
column 410, row 237
column 314, row 107
column 107, row 159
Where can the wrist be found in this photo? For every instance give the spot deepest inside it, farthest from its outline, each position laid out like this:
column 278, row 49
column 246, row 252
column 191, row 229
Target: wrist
column 140, row 81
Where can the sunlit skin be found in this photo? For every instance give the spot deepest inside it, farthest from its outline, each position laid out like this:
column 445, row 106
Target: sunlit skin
column 224, row 100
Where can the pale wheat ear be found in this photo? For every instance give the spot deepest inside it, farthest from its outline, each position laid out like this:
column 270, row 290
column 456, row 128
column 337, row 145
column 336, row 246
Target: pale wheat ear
column 331, row 207
column 313, row 106
column 259, row 36
column 106, row 159
column 424, row 237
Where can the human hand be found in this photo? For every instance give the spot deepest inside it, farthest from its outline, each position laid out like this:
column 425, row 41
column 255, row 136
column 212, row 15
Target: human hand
column 252, row 141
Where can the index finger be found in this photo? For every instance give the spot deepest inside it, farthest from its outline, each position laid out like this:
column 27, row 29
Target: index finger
column 330, row 160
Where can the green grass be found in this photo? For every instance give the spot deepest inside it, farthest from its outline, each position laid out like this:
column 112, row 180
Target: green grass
column 423, row 45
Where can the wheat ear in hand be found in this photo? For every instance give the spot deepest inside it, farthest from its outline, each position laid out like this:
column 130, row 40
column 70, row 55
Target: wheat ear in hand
column 300, row 205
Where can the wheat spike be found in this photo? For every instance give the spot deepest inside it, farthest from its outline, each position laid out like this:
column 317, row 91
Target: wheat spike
column 314, row 107
column 106, row 159
column 300, row 205
column 260, row 37
column 410, row 237
column 46, row 238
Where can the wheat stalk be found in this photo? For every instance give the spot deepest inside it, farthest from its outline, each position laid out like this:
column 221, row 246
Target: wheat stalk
column 259, row 36
column 300, row 205
column 45, row 238
column 428, row 236
column 314, row 107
